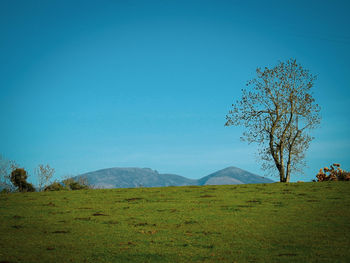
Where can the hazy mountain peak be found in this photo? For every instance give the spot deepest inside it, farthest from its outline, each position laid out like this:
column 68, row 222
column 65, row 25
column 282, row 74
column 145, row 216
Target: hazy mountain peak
column 232, row 175
column 128, row 177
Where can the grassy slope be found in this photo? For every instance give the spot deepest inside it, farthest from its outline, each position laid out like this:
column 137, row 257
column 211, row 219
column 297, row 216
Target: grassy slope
column 305, row 222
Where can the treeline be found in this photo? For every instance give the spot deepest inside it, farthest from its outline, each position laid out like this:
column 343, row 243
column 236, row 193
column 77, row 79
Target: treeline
column 13, row 178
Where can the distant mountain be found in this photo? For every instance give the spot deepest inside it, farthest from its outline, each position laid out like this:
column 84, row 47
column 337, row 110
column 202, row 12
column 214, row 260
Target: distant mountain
column 146, row 177
column 133, row 177
column 232, row 175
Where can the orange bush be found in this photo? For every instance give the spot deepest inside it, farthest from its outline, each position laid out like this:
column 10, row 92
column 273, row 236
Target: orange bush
column 335, row 173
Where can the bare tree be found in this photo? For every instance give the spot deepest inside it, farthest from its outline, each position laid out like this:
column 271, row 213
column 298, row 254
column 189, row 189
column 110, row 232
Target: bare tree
column 44, row 174
column 6, row 167
column 278, row 112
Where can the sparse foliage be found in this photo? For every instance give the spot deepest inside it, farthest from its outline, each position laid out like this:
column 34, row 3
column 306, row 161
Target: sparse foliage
column 6, row 166
column 278, row 113
column 19, row 180
column 44, row 174
column 335, row 173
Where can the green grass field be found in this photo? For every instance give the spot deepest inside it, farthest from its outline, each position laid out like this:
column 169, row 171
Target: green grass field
column 297, row 222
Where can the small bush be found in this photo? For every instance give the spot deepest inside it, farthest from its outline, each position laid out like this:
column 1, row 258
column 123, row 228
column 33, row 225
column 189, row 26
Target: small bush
column 76, row 184
column 335, row 173
column 56, row 186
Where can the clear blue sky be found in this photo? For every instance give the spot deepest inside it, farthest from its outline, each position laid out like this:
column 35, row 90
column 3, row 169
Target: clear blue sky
column 87, row 85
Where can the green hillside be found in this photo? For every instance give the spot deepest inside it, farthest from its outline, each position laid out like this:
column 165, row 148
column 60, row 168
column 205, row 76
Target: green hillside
column 299, row 222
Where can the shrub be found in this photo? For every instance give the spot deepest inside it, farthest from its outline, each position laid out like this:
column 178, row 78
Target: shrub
column 335, row 173
column 5, row 191
column 68, row 184
column 76, row 184
column 28, row 187
column 19, row 180
column 56, row 186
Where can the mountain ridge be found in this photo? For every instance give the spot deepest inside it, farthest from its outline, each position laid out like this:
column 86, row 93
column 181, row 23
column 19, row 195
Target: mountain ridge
column 131, row 177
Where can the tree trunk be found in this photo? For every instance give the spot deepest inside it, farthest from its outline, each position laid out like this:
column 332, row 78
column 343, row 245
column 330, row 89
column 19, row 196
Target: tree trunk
column 281, row 170
column 287, row 178
column 288, row 172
